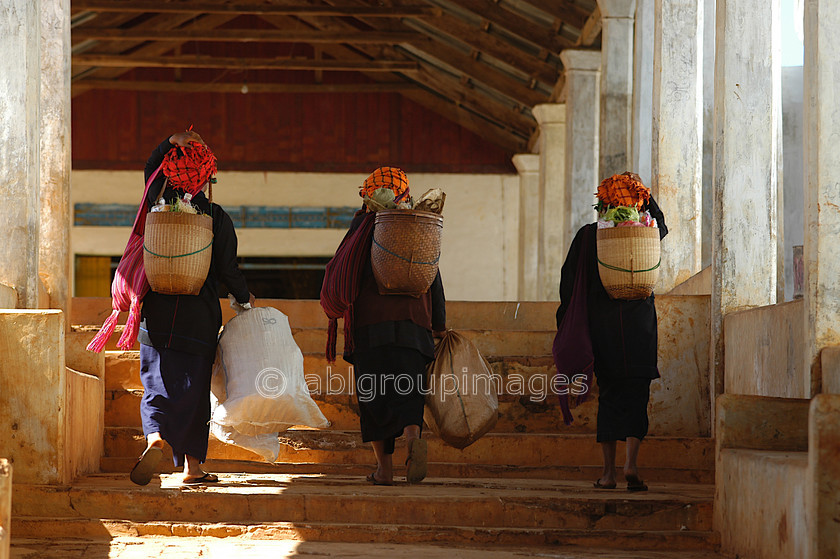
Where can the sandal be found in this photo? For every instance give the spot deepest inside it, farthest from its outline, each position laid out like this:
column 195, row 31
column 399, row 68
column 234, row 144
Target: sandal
column 599, row 485
column 416, row 461
column 144, row 469
column 371, row 478
column 634, row 483
column 206, row 478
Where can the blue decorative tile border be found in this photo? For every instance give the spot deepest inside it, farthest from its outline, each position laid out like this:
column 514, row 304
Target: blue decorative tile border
column 265, row 217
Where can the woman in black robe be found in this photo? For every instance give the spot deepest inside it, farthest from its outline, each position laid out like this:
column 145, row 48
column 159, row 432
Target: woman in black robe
column 178, row 336
column 392, row 344
column 624, row 344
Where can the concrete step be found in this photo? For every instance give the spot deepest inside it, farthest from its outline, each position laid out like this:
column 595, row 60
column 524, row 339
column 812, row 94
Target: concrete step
column 436, row 469
column 530, row 450
column 314, row 340
column 517, row 414
column 633, row 544
column 469, row 315
column 345, row 509
column 114, row 545
column 520, row 375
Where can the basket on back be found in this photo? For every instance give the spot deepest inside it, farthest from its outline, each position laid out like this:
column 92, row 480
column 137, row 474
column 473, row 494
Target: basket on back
column 405, row 251
column 177, row 251
column 628, row 261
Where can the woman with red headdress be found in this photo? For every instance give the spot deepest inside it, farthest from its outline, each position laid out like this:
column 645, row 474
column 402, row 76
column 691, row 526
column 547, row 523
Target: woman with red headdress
column 390, row 341
column 178, row 333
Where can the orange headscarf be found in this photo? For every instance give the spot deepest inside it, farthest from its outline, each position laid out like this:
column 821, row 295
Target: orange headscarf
column 625, row 189
column 392, row 178
column 189, row 168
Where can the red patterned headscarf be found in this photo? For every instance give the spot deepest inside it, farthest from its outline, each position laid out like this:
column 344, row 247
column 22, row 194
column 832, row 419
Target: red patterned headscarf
column 189, row 168
column 392, row 178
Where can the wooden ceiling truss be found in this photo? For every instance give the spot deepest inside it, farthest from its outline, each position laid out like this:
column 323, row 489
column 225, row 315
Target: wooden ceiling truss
column 483, row 64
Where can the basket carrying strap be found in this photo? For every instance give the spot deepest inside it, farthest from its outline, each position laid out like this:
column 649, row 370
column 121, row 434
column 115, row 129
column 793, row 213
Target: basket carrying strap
column 619, row 269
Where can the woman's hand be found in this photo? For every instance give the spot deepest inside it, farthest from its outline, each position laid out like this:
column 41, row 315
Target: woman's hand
column 183, row 139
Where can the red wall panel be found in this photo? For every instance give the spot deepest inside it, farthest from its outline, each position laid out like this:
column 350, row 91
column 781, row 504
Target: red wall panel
column 320, row 132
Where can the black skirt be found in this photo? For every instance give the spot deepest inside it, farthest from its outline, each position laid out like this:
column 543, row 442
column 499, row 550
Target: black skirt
column 390, row 382
column 622, row 408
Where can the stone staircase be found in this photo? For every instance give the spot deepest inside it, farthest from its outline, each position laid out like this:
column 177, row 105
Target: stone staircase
column 527, row 483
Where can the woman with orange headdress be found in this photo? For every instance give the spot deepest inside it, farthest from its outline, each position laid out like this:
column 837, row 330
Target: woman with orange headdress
column 390, row 340
column 614, row 338
column 178, row 333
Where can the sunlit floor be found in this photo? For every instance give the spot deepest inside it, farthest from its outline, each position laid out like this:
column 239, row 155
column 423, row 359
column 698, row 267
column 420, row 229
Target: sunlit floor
column 230, row 548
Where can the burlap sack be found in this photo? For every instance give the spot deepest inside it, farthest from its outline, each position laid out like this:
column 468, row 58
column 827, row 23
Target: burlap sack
column 461, row 402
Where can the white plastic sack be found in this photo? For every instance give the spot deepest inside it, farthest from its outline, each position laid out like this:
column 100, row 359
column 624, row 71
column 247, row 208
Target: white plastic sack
column 267, row 445
column 258, row 377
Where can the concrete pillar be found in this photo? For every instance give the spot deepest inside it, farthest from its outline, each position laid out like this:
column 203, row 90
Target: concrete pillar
column 510, row 239
column 582, row 114
column 54, row 254
column 20, row 67
column 616, row 84
column 5, row 507
column 708, row 128
column 677, row 153
column 822, row 196
column 823, row 472
column 553, row 213
column 642, row 129
column 747, row 94
column 528, row 166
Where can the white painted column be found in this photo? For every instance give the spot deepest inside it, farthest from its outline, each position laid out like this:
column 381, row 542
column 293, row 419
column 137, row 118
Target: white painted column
column 553, row 213
column 582, row 115
column 20, row 68
column 677, row 152
column 747, row 94
column 822, row 189
column 708, row 127
column 528, row 166
column 54, row 254
column 640, row 137
column 616, row 85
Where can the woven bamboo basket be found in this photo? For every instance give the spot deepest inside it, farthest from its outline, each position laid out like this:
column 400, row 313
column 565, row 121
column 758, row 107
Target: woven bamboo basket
column 405, row 251
column 628, row 261
column 176, row 251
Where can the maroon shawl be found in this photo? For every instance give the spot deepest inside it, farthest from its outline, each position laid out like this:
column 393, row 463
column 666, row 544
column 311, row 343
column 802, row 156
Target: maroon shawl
column 572, row 349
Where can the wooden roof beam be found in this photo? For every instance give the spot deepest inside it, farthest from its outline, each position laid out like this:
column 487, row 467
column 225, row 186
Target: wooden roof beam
column 464, row 63
column 448, row 109
column 565, row 10
column 117, row 61
column 228, row 87
column 591, row 29
column 494, row 46
column 248, row 35
column 169, row 21
column 465, row 94
column 152, row 6
column 543, row 37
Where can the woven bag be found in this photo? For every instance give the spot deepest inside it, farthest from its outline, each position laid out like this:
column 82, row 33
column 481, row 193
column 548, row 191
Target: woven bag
column 628, row 261
column 405, row 251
